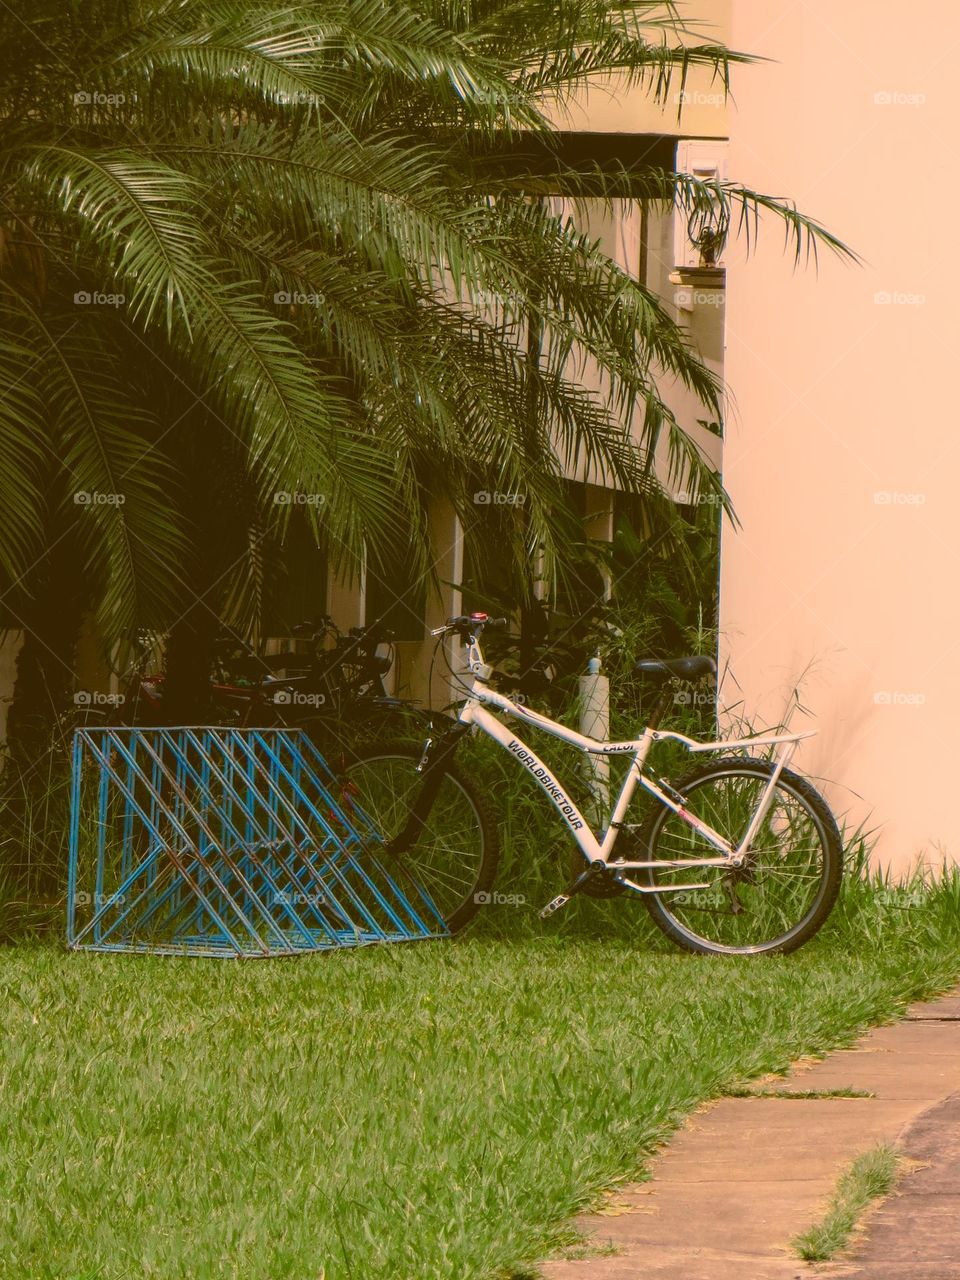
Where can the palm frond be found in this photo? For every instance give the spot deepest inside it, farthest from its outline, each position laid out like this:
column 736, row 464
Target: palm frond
column 134, row 215
column 114, row 480
column 307, row 213
column 22, row 423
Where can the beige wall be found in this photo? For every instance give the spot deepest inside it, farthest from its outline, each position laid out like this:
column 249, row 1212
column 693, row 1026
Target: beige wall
column 844, row 464
column 612, row 107
column 699, row 308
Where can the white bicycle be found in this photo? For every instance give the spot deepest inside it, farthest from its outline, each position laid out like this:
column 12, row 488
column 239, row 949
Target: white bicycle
column 741, row 856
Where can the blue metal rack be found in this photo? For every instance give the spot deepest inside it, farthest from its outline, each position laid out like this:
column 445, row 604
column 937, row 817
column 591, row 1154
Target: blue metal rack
column 227, row 842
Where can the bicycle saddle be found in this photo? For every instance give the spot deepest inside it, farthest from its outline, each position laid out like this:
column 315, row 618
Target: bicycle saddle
column 691, row 668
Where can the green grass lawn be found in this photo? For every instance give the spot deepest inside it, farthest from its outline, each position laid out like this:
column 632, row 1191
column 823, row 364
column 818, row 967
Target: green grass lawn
column 427, row 1112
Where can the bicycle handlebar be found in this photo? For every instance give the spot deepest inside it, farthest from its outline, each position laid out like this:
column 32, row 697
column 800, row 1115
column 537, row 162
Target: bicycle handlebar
column 356, row 638
column 468, row 624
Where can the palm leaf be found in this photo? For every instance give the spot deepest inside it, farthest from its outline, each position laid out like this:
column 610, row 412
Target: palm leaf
column 113, row 480
column 22, row 421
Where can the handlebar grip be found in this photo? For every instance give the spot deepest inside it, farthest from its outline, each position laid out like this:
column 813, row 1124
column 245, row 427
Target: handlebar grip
column 477, row 621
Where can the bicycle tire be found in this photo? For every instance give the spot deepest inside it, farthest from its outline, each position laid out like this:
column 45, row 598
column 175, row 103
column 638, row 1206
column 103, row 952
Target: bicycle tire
column 458, row 897
column 666, row 835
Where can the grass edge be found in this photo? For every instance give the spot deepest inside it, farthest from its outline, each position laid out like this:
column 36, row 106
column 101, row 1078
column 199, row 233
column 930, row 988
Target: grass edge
column 869, row 1177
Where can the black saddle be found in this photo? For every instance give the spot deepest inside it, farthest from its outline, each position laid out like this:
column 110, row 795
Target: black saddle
column 676, row 668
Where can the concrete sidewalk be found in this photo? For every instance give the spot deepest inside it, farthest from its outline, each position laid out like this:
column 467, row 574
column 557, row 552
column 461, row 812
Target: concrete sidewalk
column 745, row 1175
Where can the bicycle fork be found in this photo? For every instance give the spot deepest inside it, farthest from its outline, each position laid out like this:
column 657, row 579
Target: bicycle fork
column 436, row 753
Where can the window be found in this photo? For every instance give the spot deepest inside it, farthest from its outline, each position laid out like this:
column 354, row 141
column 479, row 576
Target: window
column 299, row 590
column 396, row 594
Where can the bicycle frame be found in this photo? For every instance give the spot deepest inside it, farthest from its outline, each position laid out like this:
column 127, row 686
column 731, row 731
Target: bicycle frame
column 599, row 850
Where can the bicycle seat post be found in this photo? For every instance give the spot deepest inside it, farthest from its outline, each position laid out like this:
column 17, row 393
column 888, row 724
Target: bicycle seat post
column 660, row 708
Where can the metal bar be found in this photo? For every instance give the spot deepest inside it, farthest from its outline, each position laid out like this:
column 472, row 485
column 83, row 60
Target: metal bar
column 269, row 834
column 222, row 842
column 175, row 817
column 74, row 850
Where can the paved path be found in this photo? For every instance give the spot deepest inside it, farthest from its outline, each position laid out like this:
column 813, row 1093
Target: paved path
column 745, row 1175
column 915, row 1235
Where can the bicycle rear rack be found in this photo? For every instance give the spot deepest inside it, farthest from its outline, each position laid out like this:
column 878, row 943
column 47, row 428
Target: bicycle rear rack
column 226, row 842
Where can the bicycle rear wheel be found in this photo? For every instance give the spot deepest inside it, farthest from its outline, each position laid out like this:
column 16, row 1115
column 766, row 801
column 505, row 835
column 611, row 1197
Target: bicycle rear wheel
column 455, row 852
column 788, row 884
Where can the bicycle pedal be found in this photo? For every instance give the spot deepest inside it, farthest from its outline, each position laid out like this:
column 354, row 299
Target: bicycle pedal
column 555, row 904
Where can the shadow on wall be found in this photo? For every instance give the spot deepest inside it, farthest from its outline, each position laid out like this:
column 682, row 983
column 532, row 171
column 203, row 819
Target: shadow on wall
column 9, row 648
column 806, row 690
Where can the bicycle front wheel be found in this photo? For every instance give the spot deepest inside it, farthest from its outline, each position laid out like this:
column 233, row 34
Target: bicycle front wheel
column 785, row 889
column 455, row 851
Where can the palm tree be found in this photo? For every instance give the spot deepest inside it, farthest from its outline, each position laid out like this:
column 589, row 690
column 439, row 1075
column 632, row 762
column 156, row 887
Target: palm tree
column 279, row 248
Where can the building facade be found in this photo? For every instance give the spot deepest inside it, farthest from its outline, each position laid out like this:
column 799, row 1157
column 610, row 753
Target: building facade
column 608, row 122
column 841, row 455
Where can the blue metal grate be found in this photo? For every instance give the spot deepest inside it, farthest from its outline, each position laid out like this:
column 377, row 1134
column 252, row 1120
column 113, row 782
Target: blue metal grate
column 226, row 842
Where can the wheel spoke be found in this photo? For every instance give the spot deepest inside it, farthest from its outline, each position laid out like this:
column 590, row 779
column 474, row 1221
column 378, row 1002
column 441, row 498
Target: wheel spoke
column 781, row 886
column 446, row 858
